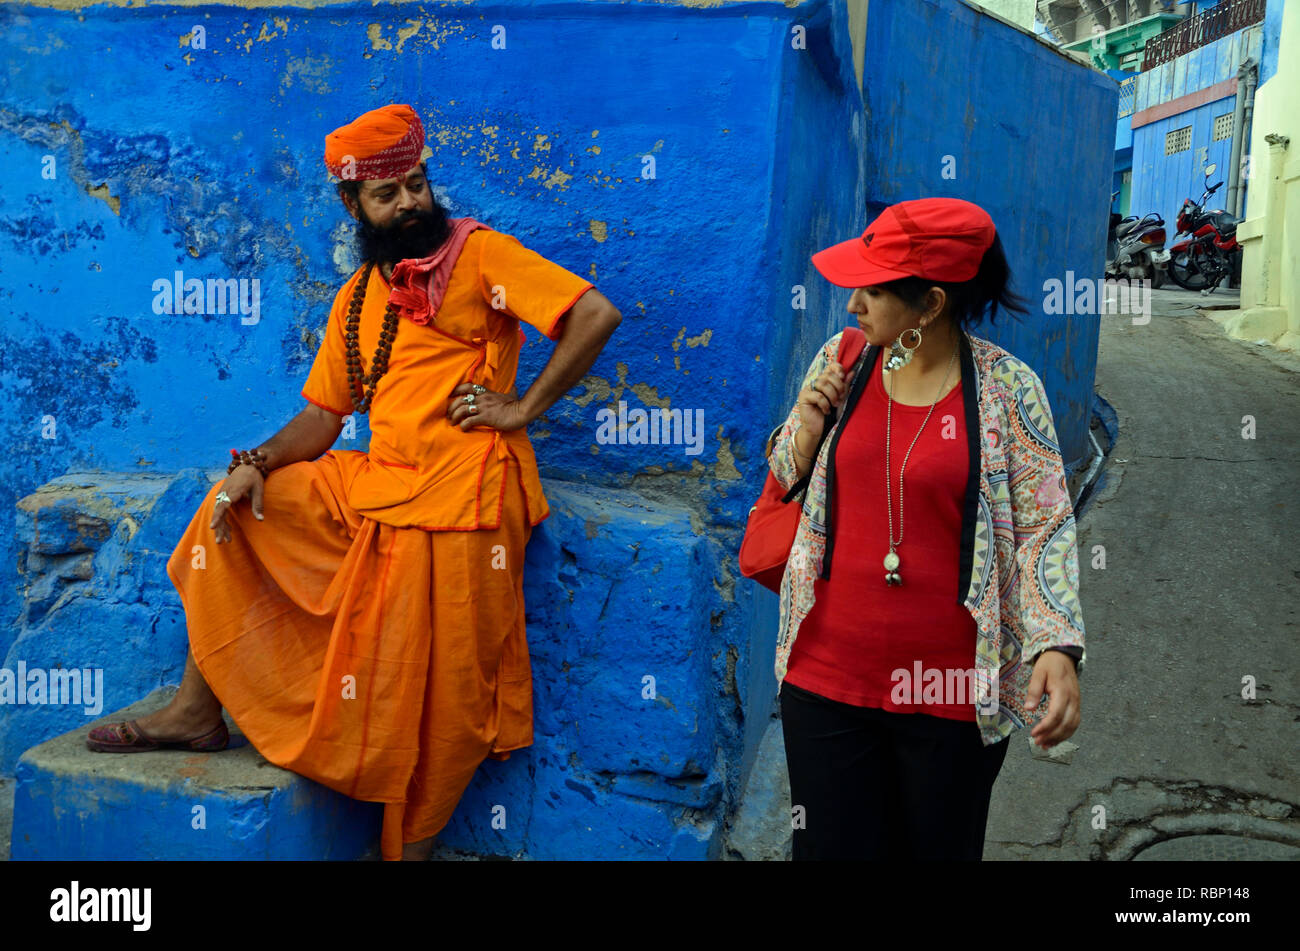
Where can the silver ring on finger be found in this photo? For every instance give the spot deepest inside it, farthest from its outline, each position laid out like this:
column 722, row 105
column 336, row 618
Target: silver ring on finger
column 479, row 389
column 223, row 497
column 468, row 399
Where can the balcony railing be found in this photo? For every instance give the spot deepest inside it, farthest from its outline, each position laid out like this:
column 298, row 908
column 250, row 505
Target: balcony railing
column 1219, row 21
column 1126, row 90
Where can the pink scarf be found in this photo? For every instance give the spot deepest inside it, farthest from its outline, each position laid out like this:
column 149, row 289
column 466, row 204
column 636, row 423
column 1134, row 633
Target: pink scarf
column 418, row 284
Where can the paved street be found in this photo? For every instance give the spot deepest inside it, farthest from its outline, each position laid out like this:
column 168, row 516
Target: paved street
column 1199, row 591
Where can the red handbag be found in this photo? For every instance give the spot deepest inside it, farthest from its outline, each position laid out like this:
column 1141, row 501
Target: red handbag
column 774, row 519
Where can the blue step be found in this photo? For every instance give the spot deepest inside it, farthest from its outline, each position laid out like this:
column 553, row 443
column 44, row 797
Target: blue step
column 71, row 803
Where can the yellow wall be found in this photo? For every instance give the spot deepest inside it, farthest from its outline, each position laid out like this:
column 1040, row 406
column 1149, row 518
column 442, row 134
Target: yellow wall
column 1270, row 234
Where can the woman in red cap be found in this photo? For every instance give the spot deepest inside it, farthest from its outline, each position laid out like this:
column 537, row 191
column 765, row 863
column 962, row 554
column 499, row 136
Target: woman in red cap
column 953, row 608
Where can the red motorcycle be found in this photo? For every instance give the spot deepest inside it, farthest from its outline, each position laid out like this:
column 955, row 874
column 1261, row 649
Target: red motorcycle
column 1210, row 250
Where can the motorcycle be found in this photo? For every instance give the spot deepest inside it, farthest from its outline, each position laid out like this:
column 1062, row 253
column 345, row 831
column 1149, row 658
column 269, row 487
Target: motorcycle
column 1210, row 251
column 1139, row 249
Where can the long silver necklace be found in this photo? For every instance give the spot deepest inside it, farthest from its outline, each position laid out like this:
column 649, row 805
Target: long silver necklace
column 892, row 560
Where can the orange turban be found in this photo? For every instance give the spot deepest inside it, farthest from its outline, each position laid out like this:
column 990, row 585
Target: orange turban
column 383, row 143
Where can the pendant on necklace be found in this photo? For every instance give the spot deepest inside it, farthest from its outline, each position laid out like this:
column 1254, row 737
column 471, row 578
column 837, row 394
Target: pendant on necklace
column 891, row 564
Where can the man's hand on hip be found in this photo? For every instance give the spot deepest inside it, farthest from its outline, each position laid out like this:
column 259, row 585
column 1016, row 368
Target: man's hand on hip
column 487, row 408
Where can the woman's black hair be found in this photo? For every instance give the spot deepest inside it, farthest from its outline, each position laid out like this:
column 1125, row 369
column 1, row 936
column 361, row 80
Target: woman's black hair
column 987, row 290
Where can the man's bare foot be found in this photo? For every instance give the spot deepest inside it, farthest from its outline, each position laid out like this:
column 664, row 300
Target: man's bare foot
column 177, row 722
column 418, row 851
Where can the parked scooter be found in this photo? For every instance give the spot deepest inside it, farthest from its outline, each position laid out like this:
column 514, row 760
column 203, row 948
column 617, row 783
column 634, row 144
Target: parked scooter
column 1137, row 250
column 1208, row 254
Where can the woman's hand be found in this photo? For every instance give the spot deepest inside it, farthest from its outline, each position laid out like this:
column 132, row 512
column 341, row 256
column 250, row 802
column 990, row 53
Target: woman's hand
column 816, row 401
column 244, row 481
column 488, row 409
column 1054, row 673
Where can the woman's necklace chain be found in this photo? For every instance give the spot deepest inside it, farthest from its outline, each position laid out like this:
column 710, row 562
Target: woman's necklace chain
column 892, row 560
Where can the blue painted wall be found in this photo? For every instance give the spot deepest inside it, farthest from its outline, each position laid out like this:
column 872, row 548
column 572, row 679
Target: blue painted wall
column 1123, row 162
column 1161, row 182
column 941, row 82
column 1123, row 124
column 1272, row 36
column 1123, row 133
column 168, row 157
column 818, row 190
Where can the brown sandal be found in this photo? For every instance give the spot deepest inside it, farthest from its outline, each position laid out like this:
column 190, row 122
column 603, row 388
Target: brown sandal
column 127, row 737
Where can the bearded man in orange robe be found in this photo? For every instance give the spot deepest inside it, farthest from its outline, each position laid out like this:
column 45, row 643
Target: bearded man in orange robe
column 363, row 617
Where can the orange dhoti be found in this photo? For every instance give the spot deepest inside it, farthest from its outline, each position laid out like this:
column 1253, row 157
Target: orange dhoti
column 385, row 663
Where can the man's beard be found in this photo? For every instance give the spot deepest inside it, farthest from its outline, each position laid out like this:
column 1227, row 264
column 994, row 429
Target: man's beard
column 397, row 242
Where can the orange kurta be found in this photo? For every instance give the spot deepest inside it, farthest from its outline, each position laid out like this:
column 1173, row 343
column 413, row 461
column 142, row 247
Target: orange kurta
column 369, row 633
column 421, row 470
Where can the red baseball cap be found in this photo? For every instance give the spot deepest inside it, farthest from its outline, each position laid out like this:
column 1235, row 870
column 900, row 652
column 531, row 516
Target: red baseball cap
column 943, row 239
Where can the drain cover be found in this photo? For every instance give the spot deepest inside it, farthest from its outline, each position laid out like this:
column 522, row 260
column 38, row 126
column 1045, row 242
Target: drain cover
column 1220, row 848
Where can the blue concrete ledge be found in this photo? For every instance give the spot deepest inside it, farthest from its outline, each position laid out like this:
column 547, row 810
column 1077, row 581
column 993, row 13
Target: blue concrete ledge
column 96, row 599
column 632, row 700
column 638, row 691
column 70, row 803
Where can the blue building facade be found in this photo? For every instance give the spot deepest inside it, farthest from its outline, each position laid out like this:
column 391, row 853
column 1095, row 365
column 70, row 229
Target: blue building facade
column 1121, row 182
column 1123, row 178
column 1182, row 122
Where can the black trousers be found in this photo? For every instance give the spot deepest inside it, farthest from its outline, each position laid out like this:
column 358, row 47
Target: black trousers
column 878, row 785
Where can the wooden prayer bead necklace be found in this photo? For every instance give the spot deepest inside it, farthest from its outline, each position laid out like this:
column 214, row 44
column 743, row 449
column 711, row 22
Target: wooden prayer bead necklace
column 366, row 382
column 356, row 379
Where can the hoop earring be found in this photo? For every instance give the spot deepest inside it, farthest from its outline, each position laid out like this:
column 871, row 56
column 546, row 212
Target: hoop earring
column 900, row 355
